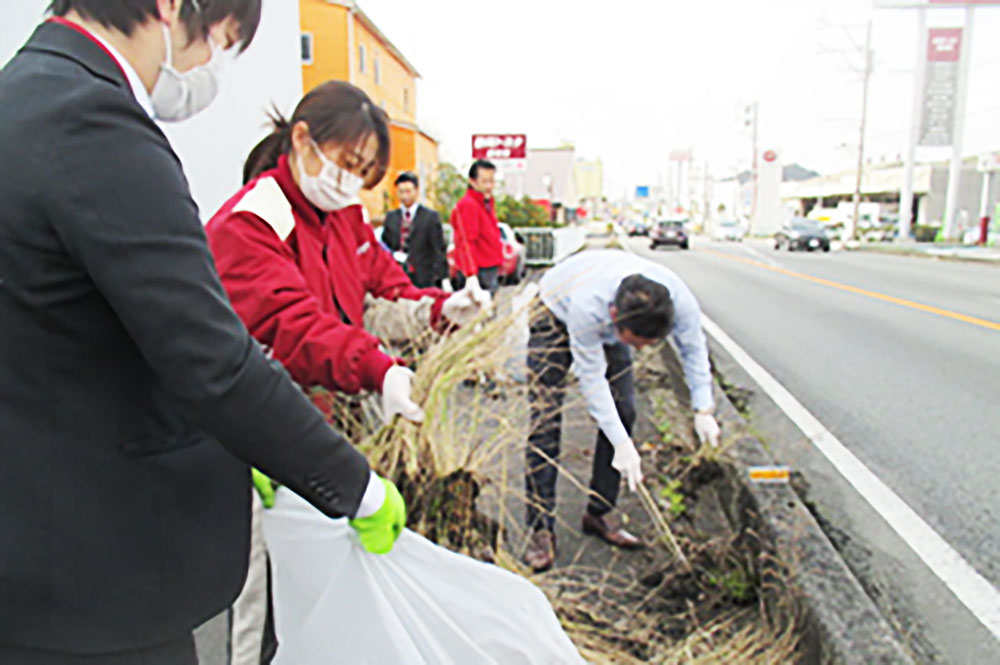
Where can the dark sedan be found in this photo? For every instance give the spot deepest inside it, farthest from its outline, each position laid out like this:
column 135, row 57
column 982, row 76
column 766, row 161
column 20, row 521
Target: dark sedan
column 802, row 233
column 669, row 232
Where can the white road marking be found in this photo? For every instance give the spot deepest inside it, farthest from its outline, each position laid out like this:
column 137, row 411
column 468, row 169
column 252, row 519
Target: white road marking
column 760, row 256
column 972, row 589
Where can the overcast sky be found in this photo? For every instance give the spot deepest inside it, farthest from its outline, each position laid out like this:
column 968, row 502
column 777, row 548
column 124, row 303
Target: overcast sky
column 629, row 80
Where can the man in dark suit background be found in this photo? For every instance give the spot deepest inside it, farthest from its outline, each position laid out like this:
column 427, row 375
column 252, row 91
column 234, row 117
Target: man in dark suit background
column 132, row 397
column 414, row 234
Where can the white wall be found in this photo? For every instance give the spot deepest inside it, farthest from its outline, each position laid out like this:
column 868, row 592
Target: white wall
column 214, row 145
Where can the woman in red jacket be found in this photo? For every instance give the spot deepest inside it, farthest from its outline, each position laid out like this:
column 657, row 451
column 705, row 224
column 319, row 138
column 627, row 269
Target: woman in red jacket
column 297, row 258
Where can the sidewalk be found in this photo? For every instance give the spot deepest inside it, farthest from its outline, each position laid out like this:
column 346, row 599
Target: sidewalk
column 935, row 251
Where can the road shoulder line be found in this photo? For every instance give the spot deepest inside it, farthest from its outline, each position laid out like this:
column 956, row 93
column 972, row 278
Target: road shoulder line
column 974, row 591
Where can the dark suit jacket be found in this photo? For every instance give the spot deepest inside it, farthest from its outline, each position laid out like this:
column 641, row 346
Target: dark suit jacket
column 123, row 521
column 428, row 259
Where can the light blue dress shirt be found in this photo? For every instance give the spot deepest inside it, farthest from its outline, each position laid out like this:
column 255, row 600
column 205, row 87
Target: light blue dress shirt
column 580, row 292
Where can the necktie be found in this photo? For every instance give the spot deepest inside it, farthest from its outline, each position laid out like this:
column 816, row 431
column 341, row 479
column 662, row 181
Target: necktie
column 404, row 232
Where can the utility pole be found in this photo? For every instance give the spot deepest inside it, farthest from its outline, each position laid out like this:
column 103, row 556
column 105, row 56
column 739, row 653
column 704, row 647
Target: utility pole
column 861, row 133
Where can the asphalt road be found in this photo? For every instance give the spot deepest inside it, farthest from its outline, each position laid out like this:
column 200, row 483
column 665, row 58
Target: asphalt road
column 912, row 393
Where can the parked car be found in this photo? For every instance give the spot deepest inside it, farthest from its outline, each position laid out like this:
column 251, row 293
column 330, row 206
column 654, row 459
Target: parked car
column 669, row 232
column 802, row 233
column 728, row 229
column 637, row 227
column 513, row 268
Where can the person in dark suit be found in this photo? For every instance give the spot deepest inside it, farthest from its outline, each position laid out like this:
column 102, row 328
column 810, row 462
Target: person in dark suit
column 414, row 235
column 132, row 397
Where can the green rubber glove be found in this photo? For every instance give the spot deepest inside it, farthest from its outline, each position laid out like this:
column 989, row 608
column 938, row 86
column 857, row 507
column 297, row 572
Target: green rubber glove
column 378, row 532
column 264, row 488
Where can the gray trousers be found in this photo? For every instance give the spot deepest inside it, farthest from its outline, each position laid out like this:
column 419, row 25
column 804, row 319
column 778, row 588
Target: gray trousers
column 249, row 612
column 549, row 360
column 489, row 279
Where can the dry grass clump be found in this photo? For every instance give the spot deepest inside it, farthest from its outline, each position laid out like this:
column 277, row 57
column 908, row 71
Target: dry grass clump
column 443, row 466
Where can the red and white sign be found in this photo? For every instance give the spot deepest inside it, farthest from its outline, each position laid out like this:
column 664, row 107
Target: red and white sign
column 989, row 163
column 770, row 155
column 944, row 44
column 499, row 146
column 941, row 73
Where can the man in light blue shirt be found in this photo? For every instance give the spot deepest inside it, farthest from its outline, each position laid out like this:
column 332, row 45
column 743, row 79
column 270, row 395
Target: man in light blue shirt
column 598, row 304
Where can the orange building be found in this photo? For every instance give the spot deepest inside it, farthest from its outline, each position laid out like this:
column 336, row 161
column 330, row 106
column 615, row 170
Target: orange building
column 339, row 41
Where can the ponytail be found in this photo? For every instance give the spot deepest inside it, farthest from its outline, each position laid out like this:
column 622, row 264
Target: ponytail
column 264, row 156
column 335, row 111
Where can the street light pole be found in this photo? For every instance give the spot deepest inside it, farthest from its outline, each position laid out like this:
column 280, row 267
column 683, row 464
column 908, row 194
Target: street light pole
column 906, row 212
column 955, row 167
column 753, row 204
column 852, row 235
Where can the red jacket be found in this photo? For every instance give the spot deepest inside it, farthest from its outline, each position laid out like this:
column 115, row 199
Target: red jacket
column 299, row 280
column 477, row 234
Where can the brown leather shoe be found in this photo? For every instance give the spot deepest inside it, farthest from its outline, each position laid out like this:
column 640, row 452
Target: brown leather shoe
column 611, row 533
column 541, row 552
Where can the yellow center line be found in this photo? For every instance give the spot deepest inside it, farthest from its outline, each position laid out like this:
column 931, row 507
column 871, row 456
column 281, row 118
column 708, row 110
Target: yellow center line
column 875, row 295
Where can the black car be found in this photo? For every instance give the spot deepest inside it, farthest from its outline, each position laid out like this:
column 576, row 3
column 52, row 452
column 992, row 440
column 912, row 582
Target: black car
column 669, row 232
column 802, row 233
column 637, row 228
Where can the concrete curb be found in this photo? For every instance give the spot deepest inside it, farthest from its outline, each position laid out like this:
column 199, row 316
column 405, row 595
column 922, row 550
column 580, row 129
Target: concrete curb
column 923, row 254
column 839, row 623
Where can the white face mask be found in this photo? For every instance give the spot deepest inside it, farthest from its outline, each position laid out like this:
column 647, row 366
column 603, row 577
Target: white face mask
column 179, row 95
column 333, row 189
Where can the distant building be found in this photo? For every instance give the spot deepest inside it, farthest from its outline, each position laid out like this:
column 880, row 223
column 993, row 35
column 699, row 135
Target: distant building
column 555, row 179
column 882, row 184
column 589, row 177
column 340, row 41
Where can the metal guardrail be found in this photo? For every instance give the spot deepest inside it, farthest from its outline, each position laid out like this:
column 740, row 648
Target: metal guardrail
column 547, row 246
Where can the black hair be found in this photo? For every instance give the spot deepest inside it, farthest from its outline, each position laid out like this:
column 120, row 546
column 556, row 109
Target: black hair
column 644, row 307
column 408, row 176
column 334, row 111
column 198, row 16
column 480, row 164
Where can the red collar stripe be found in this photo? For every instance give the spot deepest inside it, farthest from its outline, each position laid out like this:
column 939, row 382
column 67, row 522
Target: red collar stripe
column 86, row 33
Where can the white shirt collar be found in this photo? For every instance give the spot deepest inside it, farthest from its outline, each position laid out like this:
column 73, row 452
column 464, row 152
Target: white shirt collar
column 138, row 89
column 412, row 210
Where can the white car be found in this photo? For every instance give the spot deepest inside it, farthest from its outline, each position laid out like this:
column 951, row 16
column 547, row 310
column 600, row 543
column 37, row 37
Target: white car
column 728, row 229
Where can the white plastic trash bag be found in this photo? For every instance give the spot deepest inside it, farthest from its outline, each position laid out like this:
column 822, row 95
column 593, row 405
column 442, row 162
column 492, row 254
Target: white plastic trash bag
column 419, row 604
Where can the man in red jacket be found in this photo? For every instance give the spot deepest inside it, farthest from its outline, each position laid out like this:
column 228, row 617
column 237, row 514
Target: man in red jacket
column 478, row 251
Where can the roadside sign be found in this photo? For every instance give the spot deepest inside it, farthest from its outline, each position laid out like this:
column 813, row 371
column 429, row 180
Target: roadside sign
column 989, row 163
column 944, row 48
column 499, row 146
column 642, row 192
column 511, row 165
column 928, row 4
column 770, row 155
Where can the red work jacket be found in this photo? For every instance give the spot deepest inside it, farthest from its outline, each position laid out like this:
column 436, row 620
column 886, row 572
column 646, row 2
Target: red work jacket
column 477, row 234
column 298, row 281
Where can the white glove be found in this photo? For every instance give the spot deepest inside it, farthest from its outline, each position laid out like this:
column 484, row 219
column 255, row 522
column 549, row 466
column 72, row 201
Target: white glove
column 627, row 463
column 707, row 429
column 463, row 307
column 396, row 396
column 401, row 257
column 478, row 293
